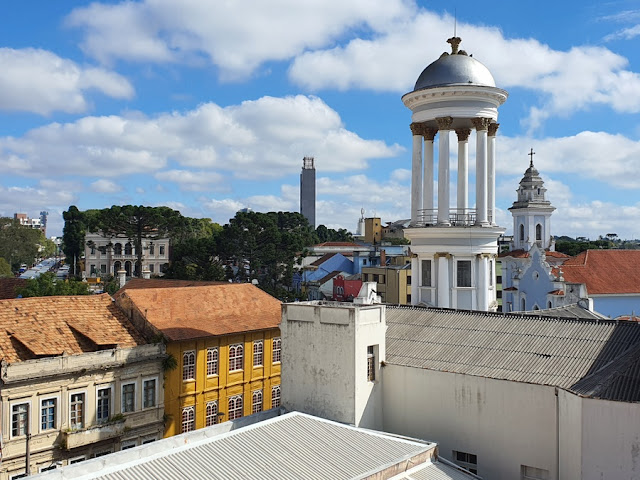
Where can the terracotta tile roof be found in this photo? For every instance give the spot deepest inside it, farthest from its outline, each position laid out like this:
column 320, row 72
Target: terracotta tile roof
column 45, row 326
column 9, row 286
column 556, row 292
column 510, row 289
column 557, row 254
column 162, row 283
column 605, row 271
column 203, row 311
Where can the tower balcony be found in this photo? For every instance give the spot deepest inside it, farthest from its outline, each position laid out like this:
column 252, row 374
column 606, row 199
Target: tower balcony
column 458, row 217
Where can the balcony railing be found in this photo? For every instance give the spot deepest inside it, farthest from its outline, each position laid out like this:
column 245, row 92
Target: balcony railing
column 97, row 433
column 457, row 217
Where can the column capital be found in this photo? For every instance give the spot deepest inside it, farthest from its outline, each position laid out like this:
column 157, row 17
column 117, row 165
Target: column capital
column 429, row 133
column 416, row 128
column 493, row 129
column 444, row 123
column 463, row 134
column 480, row 123
column 442, row 255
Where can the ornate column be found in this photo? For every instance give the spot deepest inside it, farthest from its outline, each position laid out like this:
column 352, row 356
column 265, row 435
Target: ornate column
column 416, row 171
column 427, row 192
column 481, row 125
column 491, row 172
column 443, row 289
column 463, row 169
column 415, row 291
column 483, row 282
column 444, row 126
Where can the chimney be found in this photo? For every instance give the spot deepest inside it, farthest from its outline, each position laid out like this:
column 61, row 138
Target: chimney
column 122, row 277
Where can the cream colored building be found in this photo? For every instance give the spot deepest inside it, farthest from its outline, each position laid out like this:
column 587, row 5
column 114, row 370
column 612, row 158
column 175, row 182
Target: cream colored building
column 106, row 256
column 77, row 382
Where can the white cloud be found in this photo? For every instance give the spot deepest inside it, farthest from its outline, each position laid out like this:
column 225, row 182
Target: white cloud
column 39, row 81
column 624, row 34
column 105, row 186
column 256, row 139
column 194, row 181
column 232, row 35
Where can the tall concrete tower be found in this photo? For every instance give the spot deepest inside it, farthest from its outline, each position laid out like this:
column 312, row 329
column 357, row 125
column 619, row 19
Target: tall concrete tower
column 308, row 190
column 454, row 249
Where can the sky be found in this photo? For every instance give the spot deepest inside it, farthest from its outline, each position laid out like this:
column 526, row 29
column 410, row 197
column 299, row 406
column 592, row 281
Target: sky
column 210, row 106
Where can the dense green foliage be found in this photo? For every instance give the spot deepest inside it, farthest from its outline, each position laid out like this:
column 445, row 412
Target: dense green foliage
column 5, row 269
column 73, row 237
column 324, row 234
column 47, row 285
column 19, row 244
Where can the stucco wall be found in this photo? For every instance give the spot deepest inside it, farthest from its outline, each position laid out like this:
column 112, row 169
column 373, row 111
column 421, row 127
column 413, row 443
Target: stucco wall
column 613, row 306
column 506, row 424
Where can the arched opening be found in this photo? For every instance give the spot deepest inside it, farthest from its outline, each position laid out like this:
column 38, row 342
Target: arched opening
column 521, row 233
column 538, row 232
column 127, row 268
column 117, row 266
column 117, row 249
column 128, row 249
column 523, row 305
column 549, row 304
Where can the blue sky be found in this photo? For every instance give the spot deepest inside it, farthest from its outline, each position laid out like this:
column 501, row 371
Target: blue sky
column 210, row 106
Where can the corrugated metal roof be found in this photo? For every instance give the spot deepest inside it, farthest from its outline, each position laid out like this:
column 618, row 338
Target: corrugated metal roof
column 542, row 350
column 436, row 471
column 291, row 446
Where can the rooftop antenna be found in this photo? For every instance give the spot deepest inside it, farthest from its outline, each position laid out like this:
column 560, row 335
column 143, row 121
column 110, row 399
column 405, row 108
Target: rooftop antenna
column 455, row 21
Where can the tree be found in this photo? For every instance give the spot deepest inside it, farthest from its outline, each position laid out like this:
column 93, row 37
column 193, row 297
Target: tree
column 195, row 259
column 5, row 269
column 325, row 234
column 18, row 244
column 137, row 222
column 73, row 237
column 47, row 285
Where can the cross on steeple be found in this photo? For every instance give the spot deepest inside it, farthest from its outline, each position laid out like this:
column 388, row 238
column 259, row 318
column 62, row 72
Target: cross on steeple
column 531, row 154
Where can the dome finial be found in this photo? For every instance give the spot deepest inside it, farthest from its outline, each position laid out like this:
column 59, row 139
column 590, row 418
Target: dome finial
column 455, row 42
column 531, row 154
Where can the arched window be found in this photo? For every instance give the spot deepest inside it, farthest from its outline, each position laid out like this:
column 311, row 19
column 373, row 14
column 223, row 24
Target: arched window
column 235, row 407
column 235, row 357
column 212, row 361
column 521, row 233
column 188, row 419
column 538, row 232
column 523, row 304
column 188, row 365
column 117, row 249
column 275, row 396
column 256, row 402
column 549, row 304
column 128, row 248
column 212, row 413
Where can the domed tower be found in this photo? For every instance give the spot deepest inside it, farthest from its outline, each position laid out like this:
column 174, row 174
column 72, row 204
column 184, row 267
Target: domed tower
column 531, row 212
column 454, row 249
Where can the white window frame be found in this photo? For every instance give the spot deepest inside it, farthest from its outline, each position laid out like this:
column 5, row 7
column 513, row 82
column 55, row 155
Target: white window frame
column 472, row 467
column 135, row 400
column 422, row 271
column 213, row 366
column 84, row 410
column 257, row 406
column 127, row 444
column 371, row 363
column 17, row 475
column 191, row 409
column 17, row 403
column 78, row 459
column 258, row 356
column 111, row 401
column 187, row 366
column 276, row 346
column 51, row 466
column 149, row 439
column 276, row 389
column 155, row 392
column 524, row 475
column 471, row 272
column 235, row 399
column 102, row 453
column 233, row 361
column 57, row 412
column 208, row 416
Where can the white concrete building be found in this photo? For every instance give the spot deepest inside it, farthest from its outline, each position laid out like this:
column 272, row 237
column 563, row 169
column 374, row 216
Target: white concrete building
column 454, row 248
column 108, row 255
column 507, row 396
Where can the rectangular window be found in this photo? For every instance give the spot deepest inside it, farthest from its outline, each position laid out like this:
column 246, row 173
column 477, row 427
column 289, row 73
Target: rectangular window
column 152, row 249
column 128, row 444
column 212, row 361
column 19, row 419
column 103, row 411
column 161, row 249
column 426, row 273
column 275, row 396
column 533, row 473
column 256, row 402
column 76, row 410
column 211, row 414
column 188, row 419
column 48, row 413
column 189, row 365
column 277, row 350
column 235, row 407
column 102, row 453
column 376, row 277
column 466, row 460
column 128, row 397
column 149, row 393
column 371, row 363
column 235, row 357
column 408, row 279
column 258, row 350
column 103, row 268
column 77, row 460
column 463, row 273
column 152, row 268
column 93, row 270
column 490, row 273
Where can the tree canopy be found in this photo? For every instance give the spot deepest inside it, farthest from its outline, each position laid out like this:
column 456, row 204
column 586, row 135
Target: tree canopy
column 19, row 244
column 73, row 237
column 47, row 285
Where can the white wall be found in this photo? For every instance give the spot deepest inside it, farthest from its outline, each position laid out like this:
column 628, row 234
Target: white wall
column 506, row 424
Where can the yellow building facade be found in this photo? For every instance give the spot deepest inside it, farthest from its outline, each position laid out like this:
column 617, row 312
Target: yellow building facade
column 213, row 383
column 393, row 283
